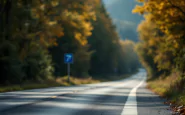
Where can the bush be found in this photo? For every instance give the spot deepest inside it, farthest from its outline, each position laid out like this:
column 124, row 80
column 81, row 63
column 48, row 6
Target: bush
column 38, row 64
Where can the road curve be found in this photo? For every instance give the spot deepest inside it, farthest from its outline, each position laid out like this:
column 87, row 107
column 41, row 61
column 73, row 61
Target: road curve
column 123, row 97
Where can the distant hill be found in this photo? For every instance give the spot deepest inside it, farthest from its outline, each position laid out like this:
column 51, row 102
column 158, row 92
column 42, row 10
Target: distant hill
column 125, row 21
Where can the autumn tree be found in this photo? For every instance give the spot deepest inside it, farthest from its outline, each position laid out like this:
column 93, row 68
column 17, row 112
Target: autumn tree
column 167, row 17
column 76, row 23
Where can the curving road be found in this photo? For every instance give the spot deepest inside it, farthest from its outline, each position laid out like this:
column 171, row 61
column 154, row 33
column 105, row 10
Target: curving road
column 124, row 97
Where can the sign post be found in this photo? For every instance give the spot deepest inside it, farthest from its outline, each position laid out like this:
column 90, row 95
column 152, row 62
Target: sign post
column 68, row 59
column 68, row 71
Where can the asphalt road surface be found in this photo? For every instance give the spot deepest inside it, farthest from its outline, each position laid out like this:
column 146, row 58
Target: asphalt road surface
column 123, row 97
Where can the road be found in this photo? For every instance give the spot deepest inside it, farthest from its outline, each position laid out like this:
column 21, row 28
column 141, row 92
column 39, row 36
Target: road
column 123, row 97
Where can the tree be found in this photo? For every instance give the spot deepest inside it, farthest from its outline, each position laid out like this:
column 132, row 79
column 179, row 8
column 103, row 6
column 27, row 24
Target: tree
column 167, row 17
column 129, row 57
column 76, row 22
column 109, row 55
column 104, row 42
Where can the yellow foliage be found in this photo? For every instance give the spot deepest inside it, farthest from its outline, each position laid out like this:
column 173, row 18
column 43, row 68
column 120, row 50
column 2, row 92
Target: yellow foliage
column 54, row 3
column 139, row 9
column 55, row 13
column 162, row 32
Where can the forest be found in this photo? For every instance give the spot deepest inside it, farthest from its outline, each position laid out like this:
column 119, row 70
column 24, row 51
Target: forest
column 161, row 48
column 35, row 35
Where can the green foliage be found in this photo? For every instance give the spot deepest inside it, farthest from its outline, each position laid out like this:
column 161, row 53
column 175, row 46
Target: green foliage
column 129, row 57
column 103, row 42
column 109, row 55
column 81, row 64
column 35, row 35
column 11, row 67
column 38, row 64
column 22, row 55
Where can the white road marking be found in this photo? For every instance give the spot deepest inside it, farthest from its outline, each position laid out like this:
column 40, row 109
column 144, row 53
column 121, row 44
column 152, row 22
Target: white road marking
column 130, row 107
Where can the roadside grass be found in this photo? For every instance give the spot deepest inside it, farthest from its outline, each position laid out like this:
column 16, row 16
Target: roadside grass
column 168, row 87
column 29, row 85
column 76, row 81
column 62, row 81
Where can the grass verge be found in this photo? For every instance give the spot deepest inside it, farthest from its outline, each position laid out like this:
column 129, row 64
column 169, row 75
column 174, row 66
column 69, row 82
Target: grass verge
column 62, row 81
column 169, row 87
column 48, row 83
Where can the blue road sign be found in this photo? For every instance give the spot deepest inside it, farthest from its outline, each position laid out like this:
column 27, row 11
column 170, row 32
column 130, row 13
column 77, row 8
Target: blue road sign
column 68, row 58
